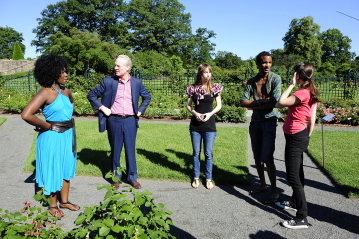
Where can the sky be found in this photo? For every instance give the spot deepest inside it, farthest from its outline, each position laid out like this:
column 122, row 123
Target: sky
column 242, row 27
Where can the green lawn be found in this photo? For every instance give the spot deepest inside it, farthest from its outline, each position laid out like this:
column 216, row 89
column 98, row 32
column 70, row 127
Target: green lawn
column 163, row 153
column 340, row 157
column 2, row 120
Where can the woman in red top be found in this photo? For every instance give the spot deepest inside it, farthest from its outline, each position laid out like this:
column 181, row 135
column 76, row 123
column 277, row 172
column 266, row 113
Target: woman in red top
column 298, row 126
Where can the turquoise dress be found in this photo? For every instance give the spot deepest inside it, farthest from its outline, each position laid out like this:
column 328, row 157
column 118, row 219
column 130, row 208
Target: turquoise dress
column 55, row 160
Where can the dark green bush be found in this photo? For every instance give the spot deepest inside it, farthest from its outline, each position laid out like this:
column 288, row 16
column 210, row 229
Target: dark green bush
column 84, row 84
column 232, row 114
column 13, row 101
column 82, row 105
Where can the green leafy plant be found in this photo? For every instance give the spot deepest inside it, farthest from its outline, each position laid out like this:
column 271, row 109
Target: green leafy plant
column 30, row 222
column 123, row 216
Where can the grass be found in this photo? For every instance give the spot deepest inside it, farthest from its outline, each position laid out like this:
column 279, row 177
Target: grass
column 2, row 120
column 163, row 153
column 340, row 158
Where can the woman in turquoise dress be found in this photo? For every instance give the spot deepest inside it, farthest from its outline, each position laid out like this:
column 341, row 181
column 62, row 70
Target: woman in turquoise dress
column 56, row 143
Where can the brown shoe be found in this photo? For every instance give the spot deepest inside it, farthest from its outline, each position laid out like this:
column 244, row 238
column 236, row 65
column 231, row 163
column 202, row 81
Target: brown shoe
column 116, row 185
column 136, row 185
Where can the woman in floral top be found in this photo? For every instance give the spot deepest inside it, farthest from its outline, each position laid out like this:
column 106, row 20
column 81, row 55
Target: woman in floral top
column 203, row 122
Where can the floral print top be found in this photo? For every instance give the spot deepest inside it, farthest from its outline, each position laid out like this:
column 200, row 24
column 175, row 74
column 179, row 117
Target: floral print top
column 200, row 91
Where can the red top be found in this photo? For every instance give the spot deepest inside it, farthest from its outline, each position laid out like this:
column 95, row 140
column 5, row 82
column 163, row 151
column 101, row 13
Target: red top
column 298, row 114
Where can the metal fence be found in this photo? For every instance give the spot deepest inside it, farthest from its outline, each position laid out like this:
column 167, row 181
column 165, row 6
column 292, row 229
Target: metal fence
column 345, row 87
column 23, row 83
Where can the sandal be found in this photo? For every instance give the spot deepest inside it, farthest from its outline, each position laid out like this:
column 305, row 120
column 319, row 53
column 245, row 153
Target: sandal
column 209, row 184
column 195, row 183
column 56, row 212
column 71, row 206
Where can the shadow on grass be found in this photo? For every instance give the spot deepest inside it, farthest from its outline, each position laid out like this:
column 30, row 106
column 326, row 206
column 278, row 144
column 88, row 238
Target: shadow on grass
column 346, row 190
column 96, row 158
column 160, row 159
column 220, row 176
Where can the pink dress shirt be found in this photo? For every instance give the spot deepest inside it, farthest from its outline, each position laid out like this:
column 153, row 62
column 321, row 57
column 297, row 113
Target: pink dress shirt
column 123, row 99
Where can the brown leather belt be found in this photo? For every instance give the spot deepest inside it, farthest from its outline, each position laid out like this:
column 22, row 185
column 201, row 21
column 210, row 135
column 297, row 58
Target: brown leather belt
column 122, row 116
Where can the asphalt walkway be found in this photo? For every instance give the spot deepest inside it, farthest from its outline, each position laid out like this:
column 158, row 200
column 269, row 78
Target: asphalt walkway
column 225, row 212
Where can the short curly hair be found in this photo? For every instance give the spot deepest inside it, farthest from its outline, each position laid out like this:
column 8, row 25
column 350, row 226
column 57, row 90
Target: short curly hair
column 260, row 55
column 48, row 69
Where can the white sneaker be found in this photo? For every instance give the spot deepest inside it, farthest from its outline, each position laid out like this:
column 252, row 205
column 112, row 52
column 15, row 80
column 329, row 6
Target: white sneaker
column 295, row 224
column 285, row 205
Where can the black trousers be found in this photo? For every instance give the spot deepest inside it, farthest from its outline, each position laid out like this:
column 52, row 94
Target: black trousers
column 295, row 145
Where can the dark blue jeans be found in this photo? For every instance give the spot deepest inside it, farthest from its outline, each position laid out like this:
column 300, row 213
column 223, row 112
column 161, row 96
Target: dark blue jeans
column 295, row 145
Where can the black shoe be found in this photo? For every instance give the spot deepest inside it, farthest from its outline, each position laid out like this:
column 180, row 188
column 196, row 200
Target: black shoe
column 296, row 224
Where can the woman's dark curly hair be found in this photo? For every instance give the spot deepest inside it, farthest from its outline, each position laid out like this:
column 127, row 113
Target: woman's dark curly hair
column 48, row 69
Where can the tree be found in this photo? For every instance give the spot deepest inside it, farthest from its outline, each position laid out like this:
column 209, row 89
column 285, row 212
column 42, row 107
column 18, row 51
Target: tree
column 281, row 58
column 326, row 70
column 355, row 64
column 85, row 50
column 17, row 53
column 8, row 38
column 303, row 39
column 201, row 48
column 158, row 25
column 227, row 60
column 335, row 47
column 153, row 63
column 100, row 16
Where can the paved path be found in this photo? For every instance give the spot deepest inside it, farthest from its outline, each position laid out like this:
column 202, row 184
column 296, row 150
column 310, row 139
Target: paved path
column 225, row 212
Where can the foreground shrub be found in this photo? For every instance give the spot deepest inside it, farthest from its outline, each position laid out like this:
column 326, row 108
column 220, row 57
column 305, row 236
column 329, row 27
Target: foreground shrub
column 30, row 222
column 122, row 217
column 122, row 214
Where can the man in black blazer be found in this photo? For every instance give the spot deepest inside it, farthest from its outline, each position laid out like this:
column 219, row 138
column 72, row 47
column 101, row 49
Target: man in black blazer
column 119, row 114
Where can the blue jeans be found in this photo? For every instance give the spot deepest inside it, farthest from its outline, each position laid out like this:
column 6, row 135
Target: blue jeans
column 208, row 141
column 295, row 145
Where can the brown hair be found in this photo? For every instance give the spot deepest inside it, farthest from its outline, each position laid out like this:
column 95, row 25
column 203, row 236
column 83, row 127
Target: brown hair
column 201, row 69
column 305, row 72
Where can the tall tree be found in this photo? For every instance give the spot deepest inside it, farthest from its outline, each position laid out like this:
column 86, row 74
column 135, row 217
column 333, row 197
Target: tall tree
column 281, row 58
column 227, row 60
column 85, row 50
column 303, row 39
column 8, row 38
column 100, row 16
column 17, row 53
column 201, row 48
column 159, row 25
column 336, row 47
